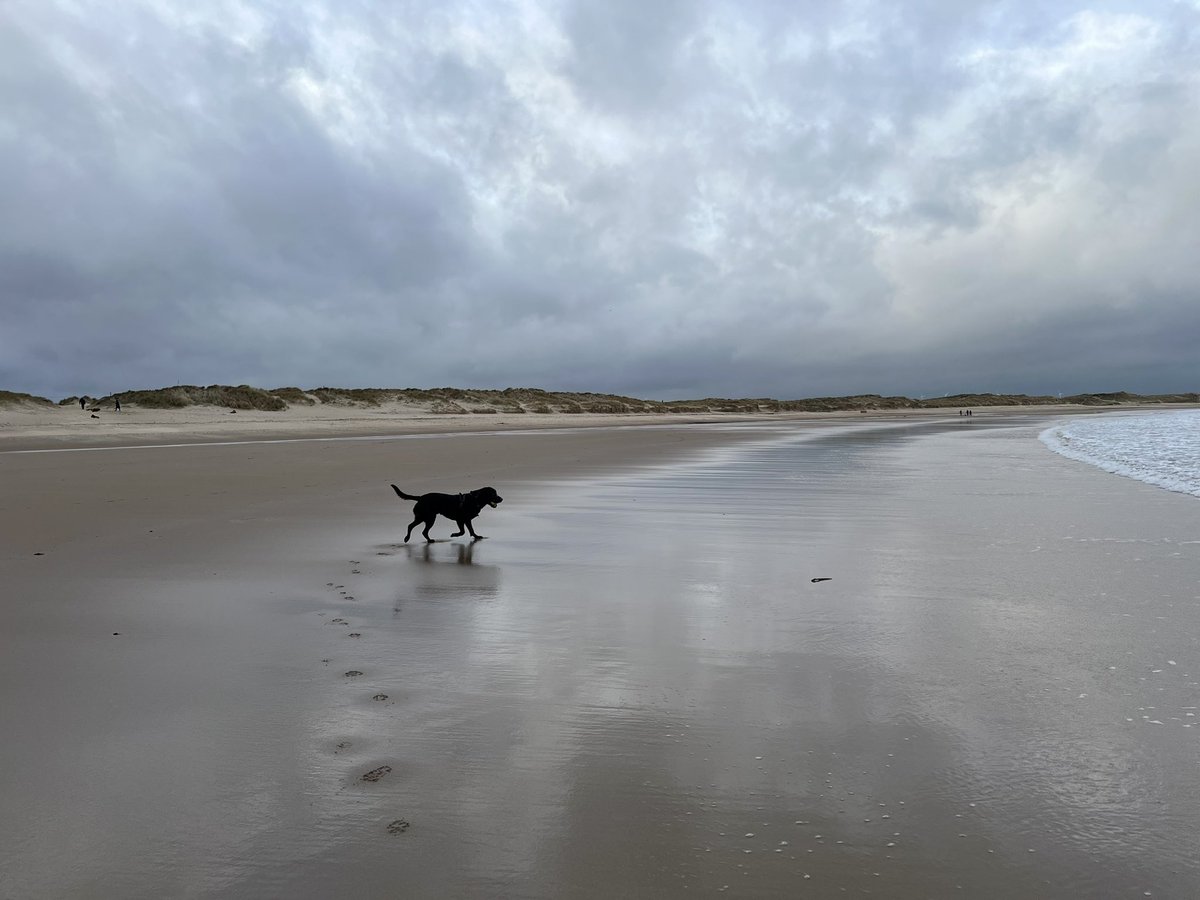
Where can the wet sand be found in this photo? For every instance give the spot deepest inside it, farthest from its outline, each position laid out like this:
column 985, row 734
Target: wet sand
column 632, row 688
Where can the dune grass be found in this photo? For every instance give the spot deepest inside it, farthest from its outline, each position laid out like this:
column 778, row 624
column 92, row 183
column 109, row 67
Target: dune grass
column 16, row 398
column 513, row 401
column 182, row 395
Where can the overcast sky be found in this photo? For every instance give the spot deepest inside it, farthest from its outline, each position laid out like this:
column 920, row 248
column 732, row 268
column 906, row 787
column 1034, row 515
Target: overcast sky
column 664, row 198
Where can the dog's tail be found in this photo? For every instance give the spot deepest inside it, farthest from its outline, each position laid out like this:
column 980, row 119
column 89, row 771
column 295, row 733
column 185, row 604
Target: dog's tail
column 404, row 496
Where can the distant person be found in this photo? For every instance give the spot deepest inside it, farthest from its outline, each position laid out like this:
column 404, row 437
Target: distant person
column 83, row 402
column 118, row 402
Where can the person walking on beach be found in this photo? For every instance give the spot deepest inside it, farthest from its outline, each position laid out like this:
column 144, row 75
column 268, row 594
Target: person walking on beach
column 82, row 402
column 118, row 402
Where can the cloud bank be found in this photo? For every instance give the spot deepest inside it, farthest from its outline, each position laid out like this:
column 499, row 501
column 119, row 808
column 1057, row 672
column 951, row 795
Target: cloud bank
column 676, row 199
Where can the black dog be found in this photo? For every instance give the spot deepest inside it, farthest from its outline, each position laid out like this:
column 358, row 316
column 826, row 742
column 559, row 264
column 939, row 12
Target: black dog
column 459, row 508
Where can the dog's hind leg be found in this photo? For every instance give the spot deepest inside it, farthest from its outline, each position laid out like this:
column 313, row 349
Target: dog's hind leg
column 428, row 525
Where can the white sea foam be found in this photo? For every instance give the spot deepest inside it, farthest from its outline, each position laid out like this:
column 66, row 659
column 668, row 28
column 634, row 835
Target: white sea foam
column 1162, row 448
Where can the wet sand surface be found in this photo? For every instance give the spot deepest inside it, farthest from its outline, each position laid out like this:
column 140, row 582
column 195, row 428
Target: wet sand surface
column 633, row 689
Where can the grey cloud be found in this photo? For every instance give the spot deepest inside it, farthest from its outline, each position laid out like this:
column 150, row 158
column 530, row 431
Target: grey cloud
column 624, row 53
column 669, row 200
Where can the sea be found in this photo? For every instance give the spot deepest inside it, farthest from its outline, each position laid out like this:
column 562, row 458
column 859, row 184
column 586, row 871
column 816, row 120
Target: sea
column 1160, row 448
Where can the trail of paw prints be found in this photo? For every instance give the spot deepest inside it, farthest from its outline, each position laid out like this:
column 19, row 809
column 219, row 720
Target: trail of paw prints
column 377, row 774
column 341, row 589
column 345, row 594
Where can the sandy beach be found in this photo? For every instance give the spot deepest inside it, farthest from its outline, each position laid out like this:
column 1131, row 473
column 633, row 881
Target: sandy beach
column 224, row 674
column 31, row 427
column 34, row 427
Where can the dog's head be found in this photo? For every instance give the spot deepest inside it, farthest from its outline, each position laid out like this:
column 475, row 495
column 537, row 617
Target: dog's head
column 488, row 496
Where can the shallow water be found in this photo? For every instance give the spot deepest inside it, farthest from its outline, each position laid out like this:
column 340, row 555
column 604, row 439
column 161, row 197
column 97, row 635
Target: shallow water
column 1160, row 448
column 635, row 688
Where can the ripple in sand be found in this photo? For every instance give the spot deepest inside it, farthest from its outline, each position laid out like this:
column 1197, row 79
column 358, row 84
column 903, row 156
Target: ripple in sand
column 399, row 826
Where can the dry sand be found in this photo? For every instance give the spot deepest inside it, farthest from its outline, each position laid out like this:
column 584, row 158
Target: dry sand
column 35, row 427
column 23, row 427
column 223, row 675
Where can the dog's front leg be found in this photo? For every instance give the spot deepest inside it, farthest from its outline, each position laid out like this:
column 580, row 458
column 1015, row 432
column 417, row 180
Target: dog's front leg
column 460, row 531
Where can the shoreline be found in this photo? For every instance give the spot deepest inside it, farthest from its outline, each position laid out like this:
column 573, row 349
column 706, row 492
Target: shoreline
column 24, row 428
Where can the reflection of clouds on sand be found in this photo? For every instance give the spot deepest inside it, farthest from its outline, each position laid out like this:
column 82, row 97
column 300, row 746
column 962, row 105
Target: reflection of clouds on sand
column 655, row 693
column 1066, row 589
column 659, row 679
column 631, row 614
